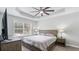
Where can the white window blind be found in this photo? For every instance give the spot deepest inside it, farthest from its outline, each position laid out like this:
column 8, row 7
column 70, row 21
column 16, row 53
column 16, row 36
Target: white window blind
column 21, row 28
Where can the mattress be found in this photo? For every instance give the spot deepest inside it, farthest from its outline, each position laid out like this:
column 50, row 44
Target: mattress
column 40, row 41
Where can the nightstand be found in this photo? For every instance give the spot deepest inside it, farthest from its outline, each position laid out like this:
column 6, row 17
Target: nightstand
column 60, row 42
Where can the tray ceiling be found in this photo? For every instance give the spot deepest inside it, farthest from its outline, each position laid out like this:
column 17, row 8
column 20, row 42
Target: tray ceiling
column 37, row 12
column 27, row 12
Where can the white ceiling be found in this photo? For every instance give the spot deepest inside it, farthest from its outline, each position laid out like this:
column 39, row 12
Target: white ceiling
column 27, row 12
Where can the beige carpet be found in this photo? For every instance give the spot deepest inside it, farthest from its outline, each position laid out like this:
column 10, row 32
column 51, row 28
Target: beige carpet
column 57, row 48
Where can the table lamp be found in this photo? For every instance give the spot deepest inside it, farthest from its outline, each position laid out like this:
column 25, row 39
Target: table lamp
column 61, row 32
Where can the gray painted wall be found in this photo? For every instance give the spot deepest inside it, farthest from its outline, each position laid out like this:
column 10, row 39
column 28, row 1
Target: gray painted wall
column 11, row 19
column 71, row 24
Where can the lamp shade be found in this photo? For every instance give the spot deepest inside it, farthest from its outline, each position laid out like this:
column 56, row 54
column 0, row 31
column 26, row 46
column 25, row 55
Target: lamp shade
column 61, row 30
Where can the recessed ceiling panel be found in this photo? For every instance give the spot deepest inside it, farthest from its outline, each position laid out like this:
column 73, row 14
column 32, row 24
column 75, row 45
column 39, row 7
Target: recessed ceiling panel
column 40, row 11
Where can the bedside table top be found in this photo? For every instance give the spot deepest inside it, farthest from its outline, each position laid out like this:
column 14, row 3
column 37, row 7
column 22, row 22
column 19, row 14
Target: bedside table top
column 60, row 40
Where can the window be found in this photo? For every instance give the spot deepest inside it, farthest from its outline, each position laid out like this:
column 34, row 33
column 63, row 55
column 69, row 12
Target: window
column 22, row 28
column 18, row 28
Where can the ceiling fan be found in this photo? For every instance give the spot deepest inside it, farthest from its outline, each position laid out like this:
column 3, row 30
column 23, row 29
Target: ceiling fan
column 42, row 11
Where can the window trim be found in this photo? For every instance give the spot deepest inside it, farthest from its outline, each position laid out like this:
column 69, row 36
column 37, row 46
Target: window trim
column 23, row 28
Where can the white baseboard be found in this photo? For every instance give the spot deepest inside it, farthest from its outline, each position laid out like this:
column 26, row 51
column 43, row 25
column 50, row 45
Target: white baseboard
column 72, row 45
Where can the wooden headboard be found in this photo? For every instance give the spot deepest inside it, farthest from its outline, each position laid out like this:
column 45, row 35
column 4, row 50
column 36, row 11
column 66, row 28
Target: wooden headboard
column 54, row 32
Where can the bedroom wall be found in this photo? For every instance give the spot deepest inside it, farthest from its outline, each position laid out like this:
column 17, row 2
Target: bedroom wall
column 12, row 19
column 70, row 22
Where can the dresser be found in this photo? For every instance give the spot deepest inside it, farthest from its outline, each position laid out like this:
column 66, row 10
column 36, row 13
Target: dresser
column 11, row 45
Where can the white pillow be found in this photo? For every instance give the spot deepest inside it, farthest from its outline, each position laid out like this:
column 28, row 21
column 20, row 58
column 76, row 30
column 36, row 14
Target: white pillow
column 49, row 34
column 46, row 34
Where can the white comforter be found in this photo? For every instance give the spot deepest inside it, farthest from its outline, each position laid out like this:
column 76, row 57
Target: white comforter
column 40, row 41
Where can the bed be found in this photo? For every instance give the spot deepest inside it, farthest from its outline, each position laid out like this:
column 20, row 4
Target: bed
column 40, row 42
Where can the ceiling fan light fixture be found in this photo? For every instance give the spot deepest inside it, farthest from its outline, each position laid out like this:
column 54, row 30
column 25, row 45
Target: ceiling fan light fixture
column 43, row 11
